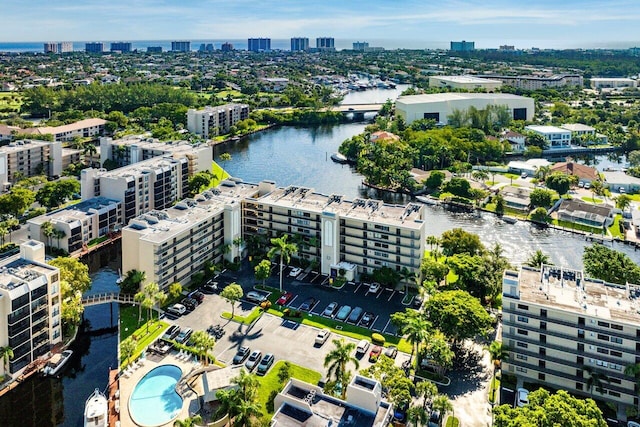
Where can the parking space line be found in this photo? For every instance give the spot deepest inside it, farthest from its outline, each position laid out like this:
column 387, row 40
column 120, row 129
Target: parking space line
column 291, row 302
column 378, row 296
column 357, row 287
column 385, row 326
column 392, row 294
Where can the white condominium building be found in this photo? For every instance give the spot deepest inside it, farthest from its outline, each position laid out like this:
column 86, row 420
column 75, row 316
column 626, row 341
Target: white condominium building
column 555, row 136
column 560, row 327
column 29, row 306
column 29, row 158
column 172, row 245
column 134, row 149
column 212, row 121
column 80, row 224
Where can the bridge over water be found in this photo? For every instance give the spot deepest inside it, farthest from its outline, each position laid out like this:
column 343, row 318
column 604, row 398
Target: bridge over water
column 357, row 109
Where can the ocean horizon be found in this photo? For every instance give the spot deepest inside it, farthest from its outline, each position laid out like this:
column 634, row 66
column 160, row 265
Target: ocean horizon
column 340, row 44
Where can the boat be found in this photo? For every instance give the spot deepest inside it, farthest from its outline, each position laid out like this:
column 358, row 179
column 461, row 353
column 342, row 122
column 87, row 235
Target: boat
column 427, row 200
column 339, row 158
column 96, row 410
column 56, row 363
column 509, row 219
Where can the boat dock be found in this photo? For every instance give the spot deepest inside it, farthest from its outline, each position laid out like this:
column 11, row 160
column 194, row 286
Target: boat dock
column 113, row 394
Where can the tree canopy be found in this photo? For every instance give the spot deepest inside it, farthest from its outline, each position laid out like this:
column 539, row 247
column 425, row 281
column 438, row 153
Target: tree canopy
column 458, row 241
column 601, row 262
column 457, row 314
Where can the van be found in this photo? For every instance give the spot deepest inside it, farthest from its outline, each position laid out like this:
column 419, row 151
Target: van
column 362, row 347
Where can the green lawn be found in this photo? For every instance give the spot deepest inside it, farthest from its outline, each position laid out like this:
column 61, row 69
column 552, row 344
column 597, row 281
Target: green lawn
column 614, row 229
column 576, row 226
column 255, row 313
column 270, row 383
column 144, row 336
column 592, row 200
column 219, row 173
column 12, row 100
column 223, row 94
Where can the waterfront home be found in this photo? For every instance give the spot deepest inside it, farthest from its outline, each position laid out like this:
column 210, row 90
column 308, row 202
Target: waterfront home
column 579, row 212
column 529, row 167
column 514, row 139
column 584, row 173
column 616, row 180
column 382, row 135
column 556, row 137
column 516, row 197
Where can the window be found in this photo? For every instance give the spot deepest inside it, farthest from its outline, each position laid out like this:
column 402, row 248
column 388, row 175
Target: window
column 522, row 344
column 523, row 307
column 615, row 353
column 603, row 337
column 523, row 332
column 543, row 312
column 521, row 357
column 615, row 380
column 614, row 393
column 521, row 369
column 543, row 326
column 603, row 324
column 616, row 340
column 616, row 327
column 523, row 319
column 579, row 386
column 541, row 376
column 602, row 350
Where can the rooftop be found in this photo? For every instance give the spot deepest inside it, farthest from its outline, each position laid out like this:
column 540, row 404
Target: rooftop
column 577, row 169
column 19, row 276
column 546, row 129
column 24, row 144
column 578, row 127
column 75, row 212
column 137, row 169
column 454, row 96
column 409, row 215
column 147, row 143
column 570, row 290
column 619, row 177
column 467, row 79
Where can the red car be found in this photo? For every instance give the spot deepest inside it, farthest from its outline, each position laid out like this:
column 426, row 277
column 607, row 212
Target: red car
column 285, row 298
column 375, row 353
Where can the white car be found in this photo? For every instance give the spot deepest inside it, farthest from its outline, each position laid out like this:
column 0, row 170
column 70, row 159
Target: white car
column 522, row 397
column 255, row 297
column 295, row 271
column 374, row 288
column 323, row 336
column 177, row 309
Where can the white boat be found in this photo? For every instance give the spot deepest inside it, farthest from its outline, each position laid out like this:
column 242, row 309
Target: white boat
column 427, row 200
column 509, row 219
column 339, row 158
column 96, row 410
column 56, row 363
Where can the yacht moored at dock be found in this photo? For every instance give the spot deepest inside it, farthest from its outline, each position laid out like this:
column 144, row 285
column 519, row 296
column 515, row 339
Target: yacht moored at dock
column 56, row 363
column 96, row 410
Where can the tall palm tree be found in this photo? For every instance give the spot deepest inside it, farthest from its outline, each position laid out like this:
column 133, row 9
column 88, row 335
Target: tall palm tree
column 246, row 413
column 538, row 258
column 433, row 241
column 188, row 422
column 417, row 415
column 204, row 342
column 412, row 324
column 498, row 353
column 59, row 234
column 595, row 379
column 139, row 298
column 542, row 172
column 6, row 353
column 284, row 249
column 337, row 361
column 248, row 385
column 47, row 230
column 443, row 404
column 90, row 150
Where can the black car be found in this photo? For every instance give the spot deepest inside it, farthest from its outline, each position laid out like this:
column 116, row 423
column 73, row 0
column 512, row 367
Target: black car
column 241, row 355
column 171, row 333
column 210, row 287
column 198, row 296
column 367, row 319
column 190, row 303
column 308, row 304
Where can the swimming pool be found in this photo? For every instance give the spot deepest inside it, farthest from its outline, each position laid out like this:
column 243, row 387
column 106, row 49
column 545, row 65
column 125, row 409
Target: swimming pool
column 154, row 400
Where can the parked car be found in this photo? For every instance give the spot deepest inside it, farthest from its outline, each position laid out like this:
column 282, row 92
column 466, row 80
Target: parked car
column 184, row 335
column 295, row 271
column 253, row 361
column 417, row 302
column 190, row 303
column 241, row 355
column 524, row 175
column 522, row 397
column 265, row 364
column 198, row 296
column 323, row 336
column 581, row 184
column 587, row 185
column 362, row 347
column 367, row 319
column 343, row 313
column 374, row 288
column 256, row 297
column 285, row 298
column 391, row 351
column 177, row 309
column 308, row 304
column 171, row 333
column 355, row 315
column 330, row 310
column 434, row 419
column 375, row 353
column 210, row 287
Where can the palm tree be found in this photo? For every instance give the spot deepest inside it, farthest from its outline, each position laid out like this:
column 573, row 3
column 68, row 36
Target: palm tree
column 414, row 326
column 6, row 353
column 284, row 249
column 480, row 175
column 595, row 379
column 426, row 390
column 59, row 234
column 498, row 353
column 337, row 360
column 537, row 258
column 433, row 241
column 47, row 230
column 417, row 415
column 188, row 422
column 11, row 223
column 248, row 385
column 623, row 202
column 90, row 150
column 246, row 412
column 407, row 276
column 443, row 404
column 4, row 230
column 204, row 342
column 139, row 298
column 542, row 172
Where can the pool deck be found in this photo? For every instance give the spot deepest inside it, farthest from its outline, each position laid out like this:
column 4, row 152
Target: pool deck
column 190, row 398
column 114, row 395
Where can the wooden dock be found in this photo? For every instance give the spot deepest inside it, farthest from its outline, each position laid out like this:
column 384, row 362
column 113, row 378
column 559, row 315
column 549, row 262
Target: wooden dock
column 113, row 394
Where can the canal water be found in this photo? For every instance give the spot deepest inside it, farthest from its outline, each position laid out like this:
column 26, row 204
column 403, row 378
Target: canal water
column 301, row 156
column 45, row 402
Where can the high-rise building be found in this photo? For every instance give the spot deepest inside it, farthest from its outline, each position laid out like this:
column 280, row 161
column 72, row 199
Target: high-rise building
column 94, row 47
column 507, row 47
column 211, row 121
column 58, row 47
column 30, row 300
column 226, row 47
column 181, row 46
column 123, row 47
column 154, row 49
column 361, row 46
column 463, row 46
column 299, row 44
column 208, row 47
column 562, row 329
column 259, row 45
column 325, row 43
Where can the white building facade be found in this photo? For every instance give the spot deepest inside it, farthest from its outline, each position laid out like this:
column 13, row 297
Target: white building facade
column 556, row 137
column 212, row 121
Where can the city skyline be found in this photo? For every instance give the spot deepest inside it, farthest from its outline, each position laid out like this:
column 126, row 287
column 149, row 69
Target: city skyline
column 544, row 24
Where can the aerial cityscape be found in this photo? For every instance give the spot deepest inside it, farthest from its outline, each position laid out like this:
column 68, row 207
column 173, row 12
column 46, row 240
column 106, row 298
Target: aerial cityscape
column 282, row 214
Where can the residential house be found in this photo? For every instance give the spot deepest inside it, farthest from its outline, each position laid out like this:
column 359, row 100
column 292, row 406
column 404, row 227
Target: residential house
column 580, row 212
column 516, row 197
column 584, row 173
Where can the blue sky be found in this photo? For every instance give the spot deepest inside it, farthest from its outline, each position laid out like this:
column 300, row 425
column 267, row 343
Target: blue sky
column 540, row 23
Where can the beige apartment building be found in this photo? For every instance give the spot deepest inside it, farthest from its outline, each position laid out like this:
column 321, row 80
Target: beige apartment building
column 212, row 121
column 558, row 325
column 29, row 306
column 30, row 158
column 173, row 244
